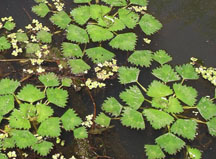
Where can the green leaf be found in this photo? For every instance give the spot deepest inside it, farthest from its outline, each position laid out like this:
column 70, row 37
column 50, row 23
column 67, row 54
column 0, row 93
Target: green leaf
column 133, row 97
column 125, row 42
column 111, row 105
column 174, row 106
column 162, row 57
column 77, row 34
column 98, row 11
column 185, row 94
column 50, row 127
column 6, row 104
column 71, row 50
column 149, row 24
column 61, row 19
column 28, row 110
column 82, row 1
column 40, row 1
column 57, row 96
column 81, row 14
column 70, row 120
column 170, row 143
column 194, row 153
column 116, row 3
column 158, row 89
column 206, row 108
column 212, row 126
column 132, row 118
column 23, row 138
column 185, row 128
column 32, row 48
column 21, row 37
column 139, row 2
column 44, row 36
column 128, row 74
column 78, row 66
column 166, row 73
column 66, row 82
column 3, row 156
column 18, row 119
column 158, row 119
column 141, row 58
column 41, row 9
column 4, row 44
column 103, row 120
column 8, row 143
column 99, row 54
column 80, row 133
column 98, row 34
column 43, row 148
column 160, row 102
column 117, row 25
column 187, row 71
column 128, row 17
column 154, row 152
column 8, row 86
column 30, row 94
column 43, row 112
column 9, row 25
column 49, row 79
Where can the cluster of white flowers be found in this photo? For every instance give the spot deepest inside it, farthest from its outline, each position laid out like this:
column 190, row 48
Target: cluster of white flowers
column 106, row 70
column 58, row 4
column 10, row 19
column 36, row 26
column 59, row 141
column 12, row 154
column 58, row 156
column 93, row 84
column 139, row 9
column 88, row 123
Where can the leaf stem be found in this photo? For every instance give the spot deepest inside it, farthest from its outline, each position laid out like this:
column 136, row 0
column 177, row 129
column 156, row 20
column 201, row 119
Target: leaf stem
column 197, row 120
column 182, row 81
column 18, row 101
column 115, row 118
column 143, row 88
column 148, row 101
column 188, row 107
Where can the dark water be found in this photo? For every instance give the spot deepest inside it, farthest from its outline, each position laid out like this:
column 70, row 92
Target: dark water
column 189, row 29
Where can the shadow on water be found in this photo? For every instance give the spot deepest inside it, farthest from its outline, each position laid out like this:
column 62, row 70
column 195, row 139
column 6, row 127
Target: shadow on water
column 189, row 29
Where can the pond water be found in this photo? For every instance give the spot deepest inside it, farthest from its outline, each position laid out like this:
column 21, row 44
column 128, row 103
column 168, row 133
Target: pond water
column 189, row 29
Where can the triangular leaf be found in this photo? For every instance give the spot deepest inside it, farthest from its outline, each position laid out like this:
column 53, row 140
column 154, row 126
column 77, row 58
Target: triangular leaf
column 43, row 148
column 32, row 48
column 71, row 50
column 166, row 73
column 70, row 120
column 6, row 104
column 158, row 89
column 61, row 19
column 103, row 120
column 185, row 94
column 162, row 57
column 49, row 79
column 98, row 11
column 117, row 25
column 128, row 74
column 43, row 112
column 154, row 152
column 187, row 71
column 9, row 25
column 21, row 37
column 132, row 118
column 111, row 105
column 66, row 82
column 117, row 3
column 206, row 108
column 149, row 24
column 133, row 97
column 99, row 54
column 212, row 126
column 44, row 36
column 128, row 17
column 8, row 143
column 78, row 66
column 158, row 119
column 141, row 58
column 8, row 86
column 98, row 34
column 41, row 9
column 81, row 14
column 50, row 127
column 4, row 44
column 125, row 41
column 185, row 128
column 160, row 102
column 80, row 133
column 174, row 106
column 77, row 34
column 194, row 153
column 30, row 94
column 57, row 96
column 170, row 143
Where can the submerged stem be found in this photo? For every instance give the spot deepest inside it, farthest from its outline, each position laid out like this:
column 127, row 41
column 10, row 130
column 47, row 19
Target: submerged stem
column 143, row 88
